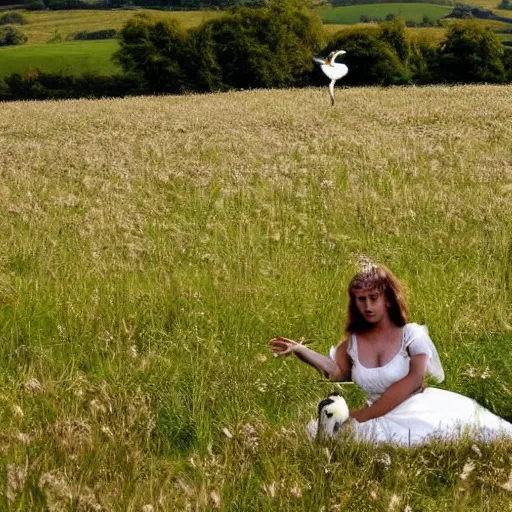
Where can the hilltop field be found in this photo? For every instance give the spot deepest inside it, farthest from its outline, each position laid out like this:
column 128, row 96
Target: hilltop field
column 152, row 246
column 50, row 46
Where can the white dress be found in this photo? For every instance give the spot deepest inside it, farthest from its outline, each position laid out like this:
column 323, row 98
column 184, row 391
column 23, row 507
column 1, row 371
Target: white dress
column 432, row 413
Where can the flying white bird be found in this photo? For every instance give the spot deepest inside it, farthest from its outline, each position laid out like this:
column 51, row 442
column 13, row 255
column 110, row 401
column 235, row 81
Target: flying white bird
column 332, row 414
column 333, row 70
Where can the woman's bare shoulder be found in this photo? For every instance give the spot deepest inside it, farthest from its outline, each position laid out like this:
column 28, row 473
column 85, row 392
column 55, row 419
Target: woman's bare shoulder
column 342, row 351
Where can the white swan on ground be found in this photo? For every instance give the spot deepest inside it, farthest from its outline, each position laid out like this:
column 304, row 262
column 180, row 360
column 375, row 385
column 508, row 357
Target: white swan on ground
column 333, row 70
column 332, row 414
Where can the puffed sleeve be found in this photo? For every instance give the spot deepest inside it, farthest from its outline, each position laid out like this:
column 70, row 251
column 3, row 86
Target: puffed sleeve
column 417, row 341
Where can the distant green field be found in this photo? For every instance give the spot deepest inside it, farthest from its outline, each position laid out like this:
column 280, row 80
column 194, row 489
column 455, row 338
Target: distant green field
column 409, row 12
column 74, row 57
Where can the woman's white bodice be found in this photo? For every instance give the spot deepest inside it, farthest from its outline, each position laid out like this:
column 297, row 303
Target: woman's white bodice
column 376, row 380
column 415, row 340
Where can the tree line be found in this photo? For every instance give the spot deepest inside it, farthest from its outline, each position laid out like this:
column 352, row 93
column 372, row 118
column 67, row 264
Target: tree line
column 186, row 5
column 273, row 47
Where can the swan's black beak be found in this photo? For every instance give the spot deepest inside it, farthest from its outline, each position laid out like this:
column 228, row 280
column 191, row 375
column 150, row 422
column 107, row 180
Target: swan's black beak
column 337, row 427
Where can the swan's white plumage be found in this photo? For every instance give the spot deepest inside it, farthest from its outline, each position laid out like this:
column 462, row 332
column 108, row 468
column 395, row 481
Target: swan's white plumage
column 333, row 412
column 333, row 70
column 332, row 416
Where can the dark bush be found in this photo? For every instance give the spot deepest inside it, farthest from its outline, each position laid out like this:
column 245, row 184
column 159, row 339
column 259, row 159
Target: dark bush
column 427, row 21
column 507, row 63
column 369, row 59
column 84, row 35
column 203, row 67
column 364, row 18
column 34, row 5
column 505, row 4
column 340, row 3
column 11, row 36
column 424, row 63
column 461, row 11
column 40, row 85
column 464, row 11
column 4, row 92
column 12, row 18
column 471, row 53
column 59, row 5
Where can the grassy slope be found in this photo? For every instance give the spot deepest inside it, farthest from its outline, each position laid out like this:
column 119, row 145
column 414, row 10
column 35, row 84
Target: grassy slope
column 77, row 56
column 492, row 5
column 43, row 25
column 73, row 58
column 502, row 12
column 153, row 245
column 409, row 11
column 433, row 35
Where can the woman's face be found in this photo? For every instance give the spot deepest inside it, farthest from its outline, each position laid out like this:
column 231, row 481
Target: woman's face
column 372, row 305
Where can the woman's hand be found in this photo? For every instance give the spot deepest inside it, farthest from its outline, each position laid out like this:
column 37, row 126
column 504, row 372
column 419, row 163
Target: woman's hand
column 361, row 415
column 325, row 365
column 283, row 346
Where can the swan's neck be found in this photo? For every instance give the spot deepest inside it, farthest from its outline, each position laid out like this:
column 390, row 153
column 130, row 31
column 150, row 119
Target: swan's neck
column 331, row 62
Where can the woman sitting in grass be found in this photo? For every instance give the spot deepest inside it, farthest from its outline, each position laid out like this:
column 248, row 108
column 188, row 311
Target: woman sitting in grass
column 389, row 358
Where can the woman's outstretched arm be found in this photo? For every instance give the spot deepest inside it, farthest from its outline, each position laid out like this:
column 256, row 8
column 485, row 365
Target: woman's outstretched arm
column 397, row 392
column 338, row 370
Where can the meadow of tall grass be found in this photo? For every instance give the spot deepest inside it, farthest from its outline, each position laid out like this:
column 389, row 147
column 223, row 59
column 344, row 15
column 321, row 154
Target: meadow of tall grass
column 151, row 248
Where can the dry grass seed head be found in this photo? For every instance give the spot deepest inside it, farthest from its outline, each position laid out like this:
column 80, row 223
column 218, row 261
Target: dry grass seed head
column 73, row 434
column 57, row 491
column 16, row 478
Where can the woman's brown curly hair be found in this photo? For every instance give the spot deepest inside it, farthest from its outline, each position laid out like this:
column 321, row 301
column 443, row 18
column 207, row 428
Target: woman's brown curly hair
column 380, row 278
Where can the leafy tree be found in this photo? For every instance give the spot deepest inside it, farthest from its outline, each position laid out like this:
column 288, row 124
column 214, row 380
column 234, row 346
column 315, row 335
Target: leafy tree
column 393, row 33
column 11, row 36
column 203, row 67
column 471, row 53
column 154, row 51
column 267, row 47
column 424, row 62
